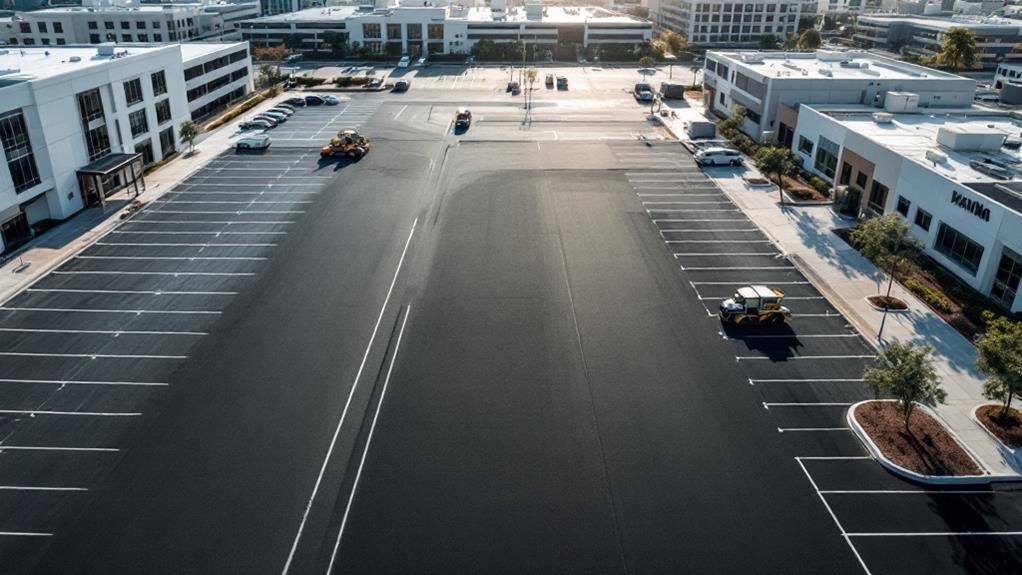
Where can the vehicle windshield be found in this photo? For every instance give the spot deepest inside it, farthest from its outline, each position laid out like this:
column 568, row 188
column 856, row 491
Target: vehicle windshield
column 738, row 298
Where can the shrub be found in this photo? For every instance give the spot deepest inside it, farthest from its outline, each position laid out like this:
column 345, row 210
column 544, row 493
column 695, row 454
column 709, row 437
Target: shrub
column 800, row 193
column 346, row 81
column 309, row 81
column 932, row 298
column 820, row 185
column 236, row 111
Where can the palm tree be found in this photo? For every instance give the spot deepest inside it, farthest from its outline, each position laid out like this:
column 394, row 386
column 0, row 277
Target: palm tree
column 188, row 132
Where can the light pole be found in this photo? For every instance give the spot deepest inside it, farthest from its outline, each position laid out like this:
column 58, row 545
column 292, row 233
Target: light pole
column 670, row 67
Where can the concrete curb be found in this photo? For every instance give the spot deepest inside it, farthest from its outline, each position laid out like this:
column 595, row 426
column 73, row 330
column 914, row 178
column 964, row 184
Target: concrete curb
column 875, row 452
column 1009, row 452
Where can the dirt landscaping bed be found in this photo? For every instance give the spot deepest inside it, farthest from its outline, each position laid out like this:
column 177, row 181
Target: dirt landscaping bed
column 925, row 447
column 1009, row 430
column 889, row 303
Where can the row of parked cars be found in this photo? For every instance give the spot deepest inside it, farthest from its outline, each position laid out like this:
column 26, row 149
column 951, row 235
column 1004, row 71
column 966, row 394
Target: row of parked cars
column 281, row 112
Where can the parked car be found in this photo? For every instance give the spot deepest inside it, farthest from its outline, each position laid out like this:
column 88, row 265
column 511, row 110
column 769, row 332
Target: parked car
column 330, row 100
column 718, row 157
column 256, row 124
column 297, row 101
column 285, row 106
column 288, row 112
column 404, row 62
column 462, row 119
column 402, row 85
column 643, row 92
column 257, row 142
column 375, row 83
column 562, row 83
column 313, row 100
column 280, row 117
column 514, row 88
column 549, row 80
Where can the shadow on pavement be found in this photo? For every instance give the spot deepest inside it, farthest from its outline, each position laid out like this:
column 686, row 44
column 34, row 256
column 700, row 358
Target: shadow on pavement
column 775, row 342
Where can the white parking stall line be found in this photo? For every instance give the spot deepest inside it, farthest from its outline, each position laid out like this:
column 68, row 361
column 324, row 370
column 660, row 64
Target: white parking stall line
column 699, row 195
column 804, row 357
column 50, row 448
column 705, row 231
column 753, row 381
column 39, row 488
column 743, row 268
column 34, row 412
column 703, row 203
column 131, row 311
column 787, row 298
column 270, row 184
column 63, row 382
column 905, row 492
column 767, row 404
column 89, row 355
column 748, row 283
column 833, row 516
column 217, row 233
column 793, row 429
column 215, row 222
column 259, row 193
column 112, row 332
column 136, row 273
column 833, row 457
column 689, row 210
column 186, row 244
column 236, row 212
column 175, row 258
column 717, row 254
column 246, row 202
column 128, row 291
column 795, row 335
column 698, row 220
column 24, row 534
column 941, row 534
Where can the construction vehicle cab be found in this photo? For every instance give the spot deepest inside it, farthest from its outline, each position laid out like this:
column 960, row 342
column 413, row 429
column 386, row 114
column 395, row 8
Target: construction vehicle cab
column 755, row 305
column 348, row 143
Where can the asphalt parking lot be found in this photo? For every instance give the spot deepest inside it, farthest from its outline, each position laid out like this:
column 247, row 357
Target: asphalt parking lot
column 806, row 376
column 87, row 351
column 315, row 125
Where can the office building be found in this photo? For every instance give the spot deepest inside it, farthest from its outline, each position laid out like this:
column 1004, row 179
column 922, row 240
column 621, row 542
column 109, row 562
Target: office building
column 714, row 23
column 953, row 174
column 924, row 36
column 771, row 86
column 78, row 123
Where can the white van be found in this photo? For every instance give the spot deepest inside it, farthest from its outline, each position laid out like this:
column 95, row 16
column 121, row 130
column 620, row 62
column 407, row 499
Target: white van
column 718, row 157
column 404, row 62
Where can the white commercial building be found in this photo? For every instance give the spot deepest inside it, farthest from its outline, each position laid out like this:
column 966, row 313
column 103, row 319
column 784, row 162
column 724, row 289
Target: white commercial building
column 839, row 6
column 127, row 22
column 955, row 175
column 714, row 23
column 439, row 27
column 771, row 86
column 924, row 36
column 80, row 122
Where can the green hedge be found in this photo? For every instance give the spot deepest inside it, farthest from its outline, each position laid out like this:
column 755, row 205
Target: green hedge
column 346, row 81
column 820, row 185
column 932, row 298
column 309, row 81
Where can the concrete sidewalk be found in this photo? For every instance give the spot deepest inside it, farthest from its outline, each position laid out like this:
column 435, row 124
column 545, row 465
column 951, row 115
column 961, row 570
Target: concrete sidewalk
column 804, row 234
column 59, row 244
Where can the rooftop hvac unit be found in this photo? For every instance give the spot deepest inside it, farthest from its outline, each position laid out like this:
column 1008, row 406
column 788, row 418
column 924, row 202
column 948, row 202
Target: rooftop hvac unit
column 936, row 156
column 826, row 72
column 883, row 117
column 75, row 59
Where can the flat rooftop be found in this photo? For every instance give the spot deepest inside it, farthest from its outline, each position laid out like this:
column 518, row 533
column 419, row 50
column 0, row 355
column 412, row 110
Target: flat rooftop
column 26, row 64
column 912, row 135
column 193, row 50
column 945, row 24
column 552, row 14
column 828, row 64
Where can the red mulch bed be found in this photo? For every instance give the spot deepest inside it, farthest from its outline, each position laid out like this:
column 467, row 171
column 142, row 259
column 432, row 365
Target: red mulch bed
column 1008, row 431
column 925, row 447
column 887, row 302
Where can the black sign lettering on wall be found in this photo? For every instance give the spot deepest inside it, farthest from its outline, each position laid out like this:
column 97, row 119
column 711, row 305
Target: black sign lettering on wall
column 970, row 205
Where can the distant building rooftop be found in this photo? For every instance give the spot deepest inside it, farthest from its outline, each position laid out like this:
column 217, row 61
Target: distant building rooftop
column 193, row 50
column 829, row 64
column 25, row 64
column 944, row 24
column 965, row 145
column 550, row 14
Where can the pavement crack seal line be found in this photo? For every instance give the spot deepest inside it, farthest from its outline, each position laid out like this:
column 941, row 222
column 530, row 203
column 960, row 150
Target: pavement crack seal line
column 347, row 403
column 407, row 311
column 592, row 402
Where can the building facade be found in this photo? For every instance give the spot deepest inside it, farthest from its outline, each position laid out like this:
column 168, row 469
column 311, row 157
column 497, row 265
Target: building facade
column 771, row 86
column 924, row 36
column 442, row 28
column 63, row 109
column 713, row 23
column 952, row 176
column 127, row 23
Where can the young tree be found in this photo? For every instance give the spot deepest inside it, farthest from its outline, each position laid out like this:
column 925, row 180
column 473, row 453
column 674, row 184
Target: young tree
column 294, row 42
column 806, row 22
column 646, row 62
column 530, row 81
column 768, row 42
column 337, row 42
column 776, row 161
column 959, row 51
column 657, row 49
column 675, row 42
column 809, row 39
column 790, row 42
column 906, row 372
column 999, row 357
column 887, row 242
column 269, row 74
column 188, row 131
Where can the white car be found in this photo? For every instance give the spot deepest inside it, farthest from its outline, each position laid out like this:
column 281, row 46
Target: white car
column 404, row 62
column 259, row 142
column 718, row 157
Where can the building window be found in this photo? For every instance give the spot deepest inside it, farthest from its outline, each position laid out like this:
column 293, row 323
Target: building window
column 805, row 145
column 46, row 41
column 878, row 197
column 125, row 37
column 157, row 37
column 958, row 248
column 1006, row 281
column 414, row 32
column 860, row 180
column 435, row 31
column 846, row 173
column 140, row 24
column 18, row 150
column 159, row 80
column 60, row 41
column 370, row 30
column 125, row 25
column 29, row 42
column 133, row 91
column 167, row 141
column 143, row 37
column 93, row 26
column 393, row 31
column 90, row 107
column 108, row 25
column 903, row 206
column 42, row 27
column 923, row 219
column 139, row 123
column 25, row 28
column 94, row 38
column 826, row 157
column 163, row 111
column 146, row 149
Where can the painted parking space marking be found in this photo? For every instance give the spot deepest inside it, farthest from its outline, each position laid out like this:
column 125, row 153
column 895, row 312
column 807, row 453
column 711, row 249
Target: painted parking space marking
column 136, row 273
column 34, row 412
column 188, row 244
column 121, row 291
column 131, row 311
column 52, row 448
column 117, row 332
column 804, row 357
column 63, row 382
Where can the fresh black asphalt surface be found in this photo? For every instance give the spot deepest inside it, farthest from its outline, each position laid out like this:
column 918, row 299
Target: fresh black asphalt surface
column 533, row 380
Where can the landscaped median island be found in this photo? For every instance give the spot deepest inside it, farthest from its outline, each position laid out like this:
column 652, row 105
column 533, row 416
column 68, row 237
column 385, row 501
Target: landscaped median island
column 1007, row 428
